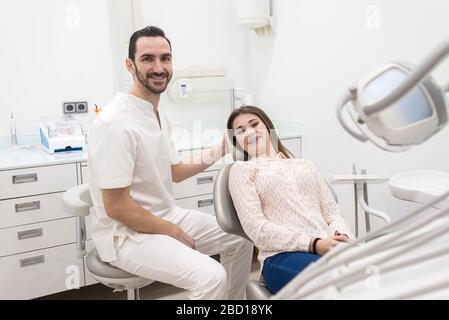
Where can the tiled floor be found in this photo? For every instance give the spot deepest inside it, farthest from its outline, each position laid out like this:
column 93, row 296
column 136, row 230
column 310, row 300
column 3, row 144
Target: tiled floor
column 155, row 291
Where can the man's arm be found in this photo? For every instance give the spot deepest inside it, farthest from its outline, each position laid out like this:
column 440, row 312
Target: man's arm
column 121, row 207
column 198, row 162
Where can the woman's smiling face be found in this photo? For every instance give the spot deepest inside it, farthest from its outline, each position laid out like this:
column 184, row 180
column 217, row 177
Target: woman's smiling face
column 251, row 134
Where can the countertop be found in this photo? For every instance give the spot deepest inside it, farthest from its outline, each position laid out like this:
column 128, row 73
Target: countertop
column 186, row 136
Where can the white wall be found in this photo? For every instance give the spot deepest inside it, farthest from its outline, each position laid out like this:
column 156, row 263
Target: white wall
column 59, row 50
column 323, row 46
column 202, row 33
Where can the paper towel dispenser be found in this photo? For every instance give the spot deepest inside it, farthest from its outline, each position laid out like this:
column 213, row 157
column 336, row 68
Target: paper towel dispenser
column 200, row 85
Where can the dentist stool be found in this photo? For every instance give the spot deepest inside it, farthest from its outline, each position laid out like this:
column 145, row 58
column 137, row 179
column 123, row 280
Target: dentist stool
column 228, row 220
column 77, row 202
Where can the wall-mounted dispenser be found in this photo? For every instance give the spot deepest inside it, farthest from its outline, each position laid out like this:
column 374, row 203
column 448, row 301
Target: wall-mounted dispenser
column 256, row 15
column 200, row 85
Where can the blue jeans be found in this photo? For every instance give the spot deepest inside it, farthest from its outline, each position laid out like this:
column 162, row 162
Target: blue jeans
column 279, row 269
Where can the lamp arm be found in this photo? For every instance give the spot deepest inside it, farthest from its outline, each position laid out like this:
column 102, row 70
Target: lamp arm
column 420, row 72
column 445, row 88
column 346, row 98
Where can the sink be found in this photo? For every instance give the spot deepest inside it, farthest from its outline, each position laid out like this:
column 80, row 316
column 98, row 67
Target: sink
column 420, row 186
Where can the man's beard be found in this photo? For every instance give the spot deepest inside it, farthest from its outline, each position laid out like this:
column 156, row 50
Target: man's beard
column 143, row 79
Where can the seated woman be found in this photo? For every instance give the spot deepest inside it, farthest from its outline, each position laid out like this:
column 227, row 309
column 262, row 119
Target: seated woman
column 283, row 204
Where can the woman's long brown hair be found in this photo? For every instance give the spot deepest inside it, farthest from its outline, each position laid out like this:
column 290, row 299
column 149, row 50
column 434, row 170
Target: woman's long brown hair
column 278, row 146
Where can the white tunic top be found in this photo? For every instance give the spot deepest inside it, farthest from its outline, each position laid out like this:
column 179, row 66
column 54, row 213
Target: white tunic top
column 126, row 147
column 283, row 203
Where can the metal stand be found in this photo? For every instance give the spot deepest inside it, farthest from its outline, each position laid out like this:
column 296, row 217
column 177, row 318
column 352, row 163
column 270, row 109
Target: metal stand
column 133, row 294
column 360, row 183
column 356, row 205
column 365, row 197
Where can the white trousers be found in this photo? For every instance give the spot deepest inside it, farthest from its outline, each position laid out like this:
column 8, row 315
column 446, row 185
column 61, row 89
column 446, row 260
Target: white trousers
column 165, row 259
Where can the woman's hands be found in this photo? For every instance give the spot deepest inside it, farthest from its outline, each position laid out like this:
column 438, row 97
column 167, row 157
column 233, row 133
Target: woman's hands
column 322, row 246
column 336, row 233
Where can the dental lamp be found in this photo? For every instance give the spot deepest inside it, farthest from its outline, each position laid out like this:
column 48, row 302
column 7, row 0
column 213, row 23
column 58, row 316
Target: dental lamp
column 396, row 107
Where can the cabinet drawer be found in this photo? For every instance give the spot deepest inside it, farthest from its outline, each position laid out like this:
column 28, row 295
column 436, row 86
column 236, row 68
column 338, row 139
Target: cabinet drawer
column 37, row 236
column 203, row 203
column 32, row 181
column 21, row 211
column 39, row 273
column 200, row 184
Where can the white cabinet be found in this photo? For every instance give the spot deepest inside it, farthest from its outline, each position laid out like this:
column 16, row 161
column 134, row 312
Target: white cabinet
column 29, row 210
column 41, row 272
column 196, row 192
column 203, row 203
column 200, row 184
column 37, row 236
column 39, row 180
column 37, row 252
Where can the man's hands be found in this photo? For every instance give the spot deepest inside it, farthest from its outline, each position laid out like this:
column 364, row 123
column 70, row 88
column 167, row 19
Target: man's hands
column 224, row 146
column 199, row 161
column 121, row 207
column 181, row 236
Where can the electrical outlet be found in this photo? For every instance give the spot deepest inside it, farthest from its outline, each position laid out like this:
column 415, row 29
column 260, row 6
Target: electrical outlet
column 75, row 107
column 68, row 107
column 81, row 107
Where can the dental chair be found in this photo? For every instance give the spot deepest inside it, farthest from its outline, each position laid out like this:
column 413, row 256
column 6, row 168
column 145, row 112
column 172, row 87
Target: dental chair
column 77, row 202
column 228, row 220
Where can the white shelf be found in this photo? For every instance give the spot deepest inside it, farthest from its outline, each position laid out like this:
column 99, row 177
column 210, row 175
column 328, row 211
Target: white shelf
column 359, row 178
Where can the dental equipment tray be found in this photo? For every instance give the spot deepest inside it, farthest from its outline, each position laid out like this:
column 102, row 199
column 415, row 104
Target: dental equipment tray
column 59, row 136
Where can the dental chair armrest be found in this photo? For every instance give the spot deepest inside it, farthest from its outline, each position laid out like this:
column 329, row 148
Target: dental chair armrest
column 77, row 201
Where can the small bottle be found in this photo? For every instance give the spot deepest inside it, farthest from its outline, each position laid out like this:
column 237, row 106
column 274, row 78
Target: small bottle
column 97, row 110
column 13, row 131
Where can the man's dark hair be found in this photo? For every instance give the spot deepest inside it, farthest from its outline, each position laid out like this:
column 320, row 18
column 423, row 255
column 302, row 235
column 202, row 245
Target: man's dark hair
column 150, row 31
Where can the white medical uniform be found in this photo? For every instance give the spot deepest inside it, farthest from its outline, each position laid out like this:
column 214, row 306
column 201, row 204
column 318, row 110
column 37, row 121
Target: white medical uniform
column 128, row 148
